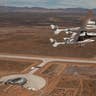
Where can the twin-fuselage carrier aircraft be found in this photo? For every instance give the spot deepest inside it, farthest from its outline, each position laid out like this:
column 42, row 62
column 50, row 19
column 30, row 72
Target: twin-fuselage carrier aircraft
column 78, row 35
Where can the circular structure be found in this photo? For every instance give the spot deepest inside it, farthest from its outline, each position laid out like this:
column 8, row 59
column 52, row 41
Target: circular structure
column 34, row 82
column 29, row 81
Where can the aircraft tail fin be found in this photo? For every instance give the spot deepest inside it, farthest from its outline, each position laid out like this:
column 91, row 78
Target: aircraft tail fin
column 88, row 17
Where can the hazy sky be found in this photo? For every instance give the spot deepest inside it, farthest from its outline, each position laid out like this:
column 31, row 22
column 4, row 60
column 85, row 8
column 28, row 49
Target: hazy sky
column 50, row 3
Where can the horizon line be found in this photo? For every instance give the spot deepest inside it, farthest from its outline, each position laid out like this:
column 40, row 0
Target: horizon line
column 46, row 7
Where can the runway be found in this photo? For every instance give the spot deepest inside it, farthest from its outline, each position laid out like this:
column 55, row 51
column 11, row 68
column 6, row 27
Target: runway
column 46, row 59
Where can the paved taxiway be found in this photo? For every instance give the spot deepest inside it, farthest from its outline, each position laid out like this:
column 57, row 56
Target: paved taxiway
column 45, row 60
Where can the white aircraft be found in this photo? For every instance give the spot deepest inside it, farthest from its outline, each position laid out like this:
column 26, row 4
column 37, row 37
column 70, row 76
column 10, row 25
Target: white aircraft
column 87, row 23
column 79, row 34
column 56, row 29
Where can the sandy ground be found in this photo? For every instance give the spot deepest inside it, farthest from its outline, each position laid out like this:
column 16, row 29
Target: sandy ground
column 69, row 79
column 13, row 67
column 35, row 41
column 28, row 34
column 62, row 78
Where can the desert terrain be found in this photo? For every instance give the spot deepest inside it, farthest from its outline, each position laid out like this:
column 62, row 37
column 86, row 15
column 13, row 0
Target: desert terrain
column 29, row 33
column 67, row 79
column 62, row 78
column 69, row 70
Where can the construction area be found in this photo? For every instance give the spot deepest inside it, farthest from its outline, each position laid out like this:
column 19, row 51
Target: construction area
column 61, row 78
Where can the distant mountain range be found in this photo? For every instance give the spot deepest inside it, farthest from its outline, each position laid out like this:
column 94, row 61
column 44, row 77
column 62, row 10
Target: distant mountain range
column 40, row 9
